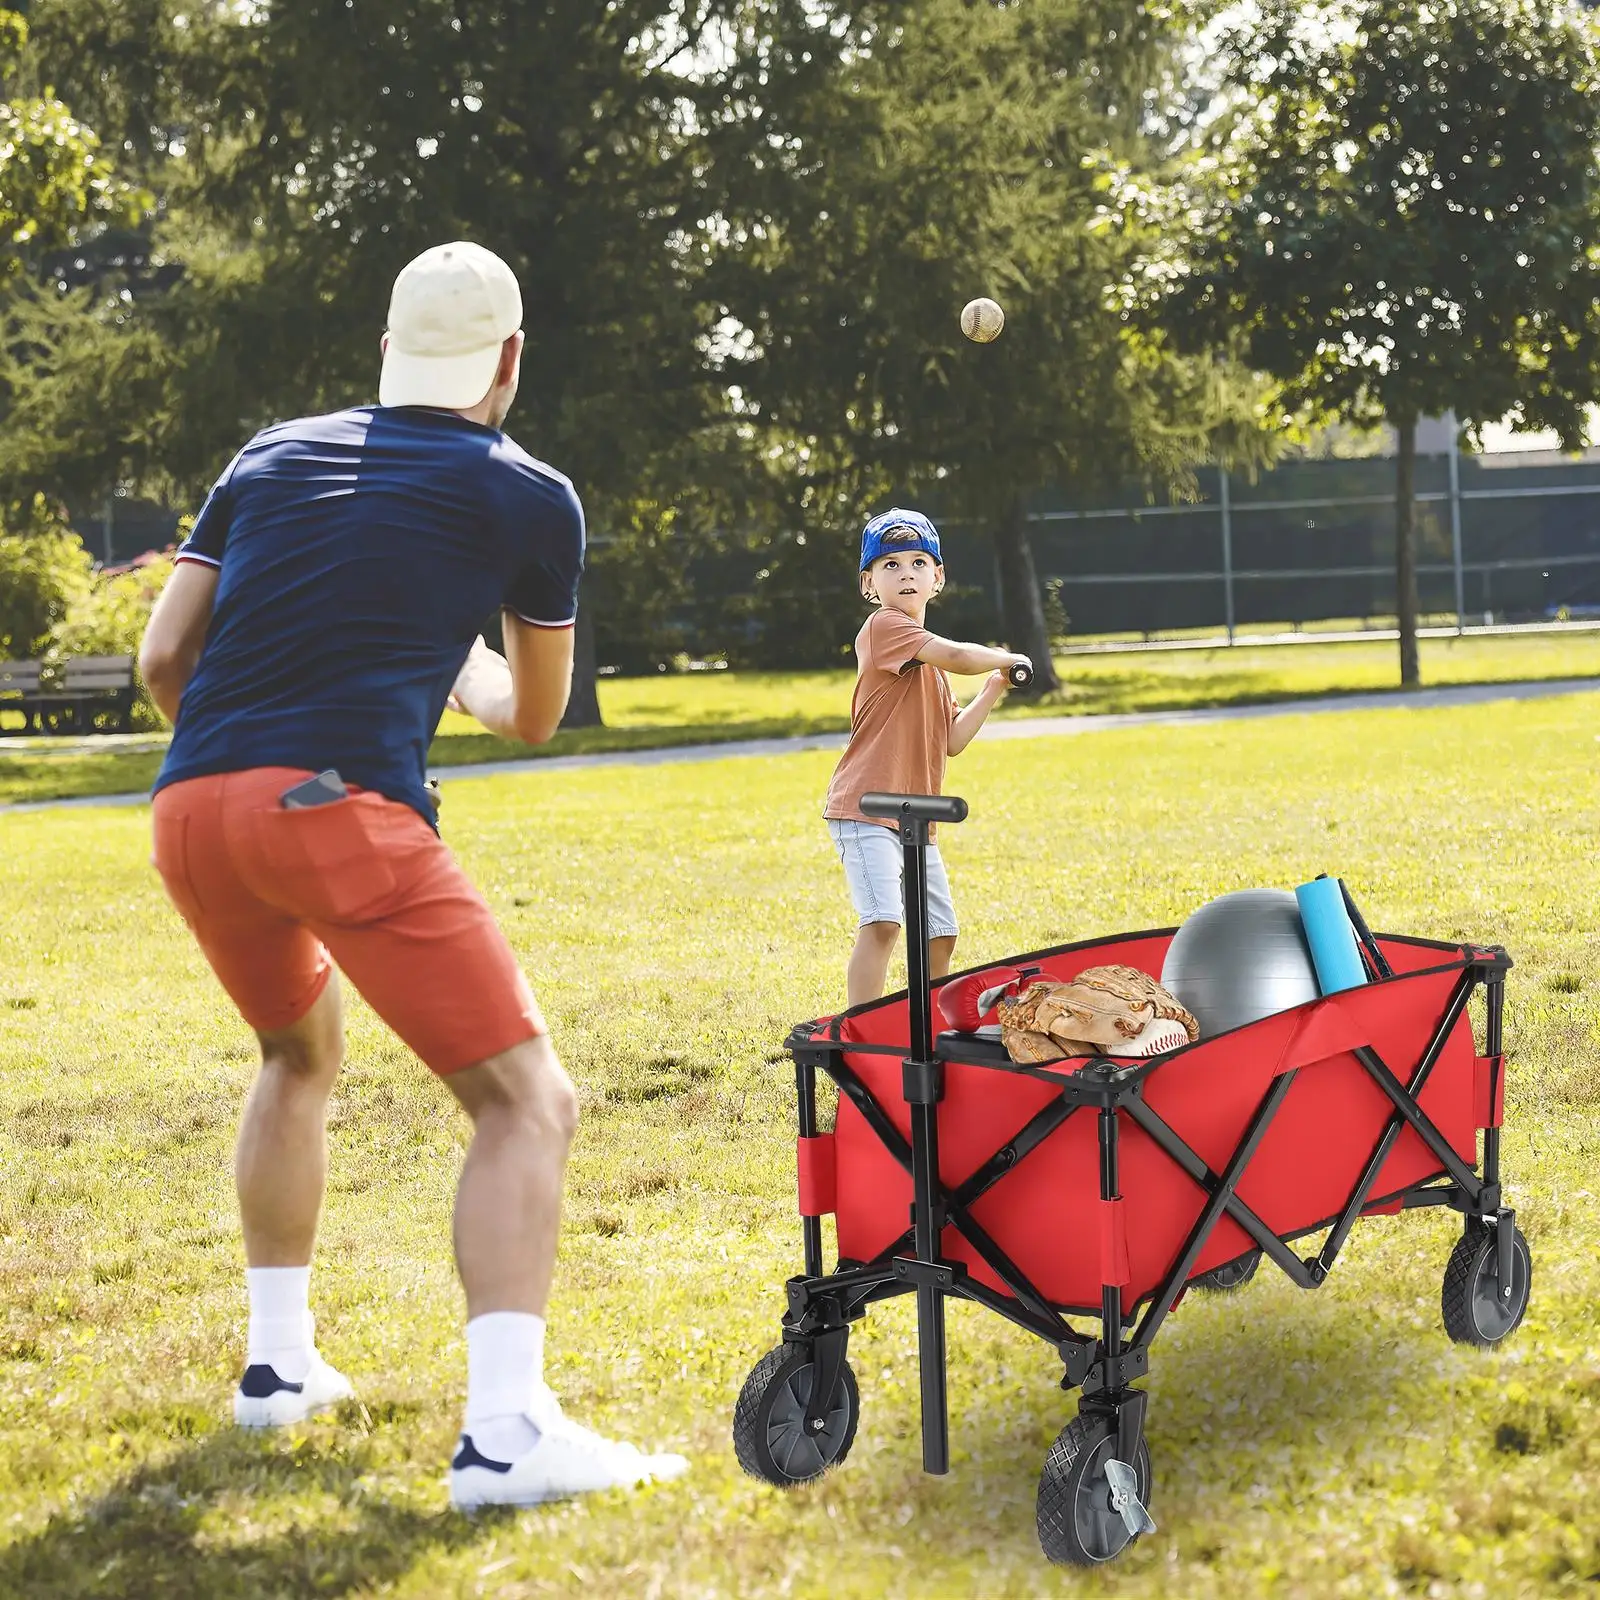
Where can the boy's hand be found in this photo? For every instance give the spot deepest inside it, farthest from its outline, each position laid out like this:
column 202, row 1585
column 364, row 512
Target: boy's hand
column 1000, row 679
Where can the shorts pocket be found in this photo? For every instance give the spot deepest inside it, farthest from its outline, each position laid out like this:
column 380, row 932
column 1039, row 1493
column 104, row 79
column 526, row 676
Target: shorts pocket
column 335, row 860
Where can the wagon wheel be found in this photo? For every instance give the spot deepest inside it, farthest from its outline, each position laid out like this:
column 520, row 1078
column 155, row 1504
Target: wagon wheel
column 1077, row 1520
column 1235, row 1275
column 770, row 1436
column 1478, row 1308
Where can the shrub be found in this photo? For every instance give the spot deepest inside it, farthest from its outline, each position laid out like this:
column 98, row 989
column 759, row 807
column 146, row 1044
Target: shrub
column 108, row 619
column 44, row 573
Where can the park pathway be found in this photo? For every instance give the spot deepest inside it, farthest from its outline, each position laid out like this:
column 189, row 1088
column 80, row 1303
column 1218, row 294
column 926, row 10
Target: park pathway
column 1466, row 694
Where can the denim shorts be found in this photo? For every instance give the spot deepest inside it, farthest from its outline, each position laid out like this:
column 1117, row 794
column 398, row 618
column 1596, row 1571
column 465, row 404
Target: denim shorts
column 874, row 865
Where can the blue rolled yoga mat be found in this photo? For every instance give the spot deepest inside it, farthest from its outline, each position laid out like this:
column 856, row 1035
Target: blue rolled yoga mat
column 1334, row 950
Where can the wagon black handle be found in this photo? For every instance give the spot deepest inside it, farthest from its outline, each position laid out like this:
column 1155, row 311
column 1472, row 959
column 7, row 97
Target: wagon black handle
column 923, row 807
column 922, row 1081
column 1020, row 674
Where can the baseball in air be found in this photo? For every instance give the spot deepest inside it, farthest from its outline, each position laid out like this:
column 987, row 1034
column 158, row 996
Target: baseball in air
column 982, row 320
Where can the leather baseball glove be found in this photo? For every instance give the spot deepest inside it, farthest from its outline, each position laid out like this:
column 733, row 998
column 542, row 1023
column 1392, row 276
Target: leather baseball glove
column 1100, row 1012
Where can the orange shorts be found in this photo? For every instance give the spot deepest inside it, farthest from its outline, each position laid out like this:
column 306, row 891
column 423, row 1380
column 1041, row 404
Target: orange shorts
column 270, row 893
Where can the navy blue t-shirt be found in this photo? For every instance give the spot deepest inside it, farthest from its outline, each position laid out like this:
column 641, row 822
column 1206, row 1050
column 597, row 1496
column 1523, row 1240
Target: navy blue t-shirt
column 360, row 555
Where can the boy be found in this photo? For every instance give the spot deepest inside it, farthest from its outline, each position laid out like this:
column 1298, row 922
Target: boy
column 904, row 723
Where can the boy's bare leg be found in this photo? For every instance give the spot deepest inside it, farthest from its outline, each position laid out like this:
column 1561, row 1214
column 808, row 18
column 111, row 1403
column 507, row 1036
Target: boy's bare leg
column 524, row 1113
column 868, row 971
column 940, row 953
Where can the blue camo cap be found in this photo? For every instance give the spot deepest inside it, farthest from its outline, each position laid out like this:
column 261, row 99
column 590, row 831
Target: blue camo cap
column 892, row 531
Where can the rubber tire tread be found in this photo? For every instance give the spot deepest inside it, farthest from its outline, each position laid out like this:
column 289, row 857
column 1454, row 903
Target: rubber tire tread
column 1207, row 1281
column 1455, row 1300
column 1053, row 1508
column 749, row 1430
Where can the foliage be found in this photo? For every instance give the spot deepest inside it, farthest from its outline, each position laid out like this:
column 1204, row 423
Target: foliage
column 1411, row 226
column 969, row 149
column 711, row 916
column 54, row 604
column 799, row 221
column 305, row 152
column 87, row 381
column 670, row 570
column 44, row 572
column 1408, row 221
column 324, row 144
column 108, row 619
column 54, row 178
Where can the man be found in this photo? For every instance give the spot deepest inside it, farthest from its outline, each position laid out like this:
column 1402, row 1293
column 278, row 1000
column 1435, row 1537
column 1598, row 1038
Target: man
column 322, row 611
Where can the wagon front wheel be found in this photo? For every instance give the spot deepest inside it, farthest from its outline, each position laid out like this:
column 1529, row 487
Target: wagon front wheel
column 1079, row 1518
column 1478, row 1308
column 771, row 1437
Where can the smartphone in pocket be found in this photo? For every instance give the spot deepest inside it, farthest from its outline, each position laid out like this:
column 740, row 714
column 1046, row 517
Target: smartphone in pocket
column 321, row 790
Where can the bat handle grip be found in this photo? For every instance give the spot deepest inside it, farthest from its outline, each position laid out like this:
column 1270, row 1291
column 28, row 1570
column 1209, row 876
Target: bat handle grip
column 1019, row 675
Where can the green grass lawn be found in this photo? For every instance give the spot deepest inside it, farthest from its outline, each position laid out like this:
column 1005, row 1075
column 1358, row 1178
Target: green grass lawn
column 710, row 707
column 1328, row 1444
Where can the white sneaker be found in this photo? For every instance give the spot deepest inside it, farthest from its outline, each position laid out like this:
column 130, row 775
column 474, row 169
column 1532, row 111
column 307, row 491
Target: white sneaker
column 567, row 1460
column 264, row 1400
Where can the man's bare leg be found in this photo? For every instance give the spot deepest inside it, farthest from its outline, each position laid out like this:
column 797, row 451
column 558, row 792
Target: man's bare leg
column 941, row 952
column 868, row 972
column 516, row 1447
column 281, row 1159
column 281, row 1172
column 524, row 1114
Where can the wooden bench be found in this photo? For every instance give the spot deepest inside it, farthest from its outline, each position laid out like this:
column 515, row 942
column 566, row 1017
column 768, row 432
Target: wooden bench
column 91, row 686
column 86, row 694
column 20, row 683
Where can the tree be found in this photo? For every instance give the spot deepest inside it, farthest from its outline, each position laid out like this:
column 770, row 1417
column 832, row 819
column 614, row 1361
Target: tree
column 968, row 148
column 1409, row 222
column 306, row 151
column 56, row 189
column 54, row 180
column 744, row 233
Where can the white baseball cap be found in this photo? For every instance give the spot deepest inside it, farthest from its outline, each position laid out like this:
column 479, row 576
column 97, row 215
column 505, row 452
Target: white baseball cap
column 451, row 311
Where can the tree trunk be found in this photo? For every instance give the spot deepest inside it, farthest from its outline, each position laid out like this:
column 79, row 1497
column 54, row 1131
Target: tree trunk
column 1021, row 604
column 1405, row 550
column 583, row 706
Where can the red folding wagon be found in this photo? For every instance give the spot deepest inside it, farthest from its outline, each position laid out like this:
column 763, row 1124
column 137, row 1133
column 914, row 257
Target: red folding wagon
column 1103, row 1189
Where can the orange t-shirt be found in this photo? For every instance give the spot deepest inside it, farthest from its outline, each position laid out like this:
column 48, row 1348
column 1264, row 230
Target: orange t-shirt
column 900, row 719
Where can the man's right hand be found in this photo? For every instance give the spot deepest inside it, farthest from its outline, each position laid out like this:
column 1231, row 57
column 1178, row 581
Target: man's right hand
column 483, row 679
column 524, row 696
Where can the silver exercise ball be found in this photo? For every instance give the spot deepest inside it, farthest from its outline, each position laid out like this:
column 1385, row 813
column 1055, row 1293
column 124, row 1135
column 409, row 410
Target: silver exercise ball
column 1239, row 958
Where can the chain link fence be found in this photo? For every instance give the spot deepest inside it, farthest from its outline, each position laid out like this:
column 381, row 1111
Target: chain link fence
column 1499, row 538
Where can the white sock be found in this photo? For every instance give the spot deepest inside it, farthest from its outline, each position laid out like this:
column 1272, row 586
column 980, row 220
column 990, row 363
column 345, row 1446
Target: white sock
column 280, row 1323
column 505, row 1370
